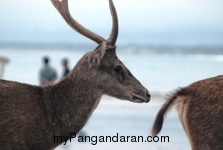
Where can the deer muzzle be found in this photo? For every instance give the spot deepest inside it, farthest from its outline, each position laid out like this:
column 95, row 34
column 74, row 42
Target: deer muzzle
column 139, row 98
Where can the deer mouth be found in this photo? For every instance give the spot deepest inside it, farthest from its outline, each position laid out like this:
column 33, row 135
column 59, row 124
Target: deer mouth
column 138, row 98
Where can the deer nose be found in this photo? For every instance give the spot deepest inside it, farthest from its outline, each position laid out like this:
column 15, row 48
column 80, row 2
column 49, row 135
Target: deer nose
column 148, row 96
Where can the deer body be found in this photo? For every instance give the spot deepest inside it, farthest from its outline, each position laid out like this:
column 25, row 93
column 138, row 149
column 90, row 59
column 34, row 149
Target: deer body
column 30, row 116
column 56, row 110
column 200, row 109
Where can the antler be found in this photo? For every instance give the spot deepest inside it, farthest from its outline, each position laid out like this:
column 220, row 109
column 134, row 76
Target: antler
column 114, row 32
column 62, row 7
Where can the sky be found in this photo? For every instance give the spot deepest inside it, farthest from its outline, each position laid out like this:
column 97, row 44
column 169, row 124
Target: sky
column 179, row 22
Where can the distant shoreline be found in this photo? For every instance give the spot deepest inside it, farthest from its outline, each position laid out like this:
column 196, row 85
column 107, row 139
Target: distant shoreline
column 150, row 48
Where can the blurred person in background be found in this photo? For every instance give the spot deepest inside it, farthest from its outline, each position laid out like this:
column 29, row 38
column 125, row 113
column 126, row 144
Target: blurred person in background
column 47, row 74
column 65, row 67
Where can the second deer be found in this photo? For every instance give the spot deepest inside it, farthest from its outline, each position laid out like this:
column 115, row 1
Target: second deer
column 200, row 109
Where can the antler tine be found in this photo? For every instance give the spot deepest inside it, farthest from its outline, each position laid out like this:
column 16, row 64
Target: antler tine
column 114, row 32
column 62, row 7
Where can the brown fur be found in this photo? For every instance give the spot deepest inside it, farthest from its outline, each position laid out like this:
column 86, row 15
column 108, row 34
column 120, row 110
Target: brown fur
column 30, row 116
column 201, row 104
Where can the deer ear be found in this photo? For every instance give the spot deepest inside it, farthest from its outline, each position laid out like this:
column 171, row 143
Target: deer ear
column 100, row 52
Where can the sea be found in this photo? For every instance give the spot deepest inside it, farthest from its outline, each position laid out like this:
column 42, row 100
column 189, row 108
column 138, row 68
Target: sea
column 160, row 68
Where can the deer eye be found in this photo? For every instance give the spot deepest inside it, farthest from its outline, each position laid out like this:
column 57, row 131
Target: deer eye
column 118, row 68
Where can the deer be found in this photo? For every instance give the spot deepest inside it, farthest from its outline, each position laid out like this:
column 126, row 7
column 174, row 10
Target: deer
column 31, row 115
column 200, row 109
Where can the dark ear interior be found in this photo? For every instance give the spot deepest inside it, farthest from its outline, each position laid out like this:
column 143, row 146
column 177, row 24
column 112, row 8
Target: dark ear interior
column 102, row 51
column 111, row 51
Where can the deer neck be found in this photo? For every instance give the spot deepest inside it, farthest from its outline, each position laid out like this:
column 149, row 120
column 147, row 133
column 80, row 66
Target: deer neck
column 71, row 102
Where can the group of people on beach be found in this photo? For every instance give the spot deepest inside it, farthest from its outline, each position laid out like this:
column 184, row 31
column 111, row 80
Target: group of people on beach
column 48, row 74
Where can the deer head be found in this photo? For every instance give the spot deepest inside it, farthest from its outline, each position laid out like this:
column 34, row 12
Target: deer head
column 102, row 66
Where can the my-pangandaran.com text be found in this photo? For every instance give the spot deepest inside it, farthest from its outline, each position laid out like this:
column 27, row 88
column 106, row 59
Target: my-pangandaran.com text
column 94, row 140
